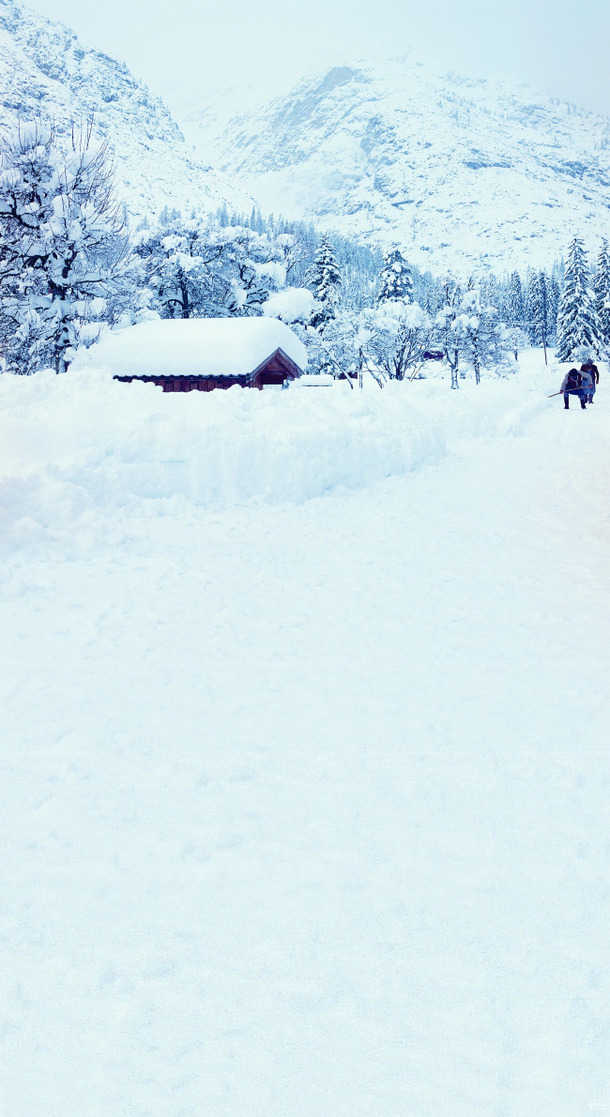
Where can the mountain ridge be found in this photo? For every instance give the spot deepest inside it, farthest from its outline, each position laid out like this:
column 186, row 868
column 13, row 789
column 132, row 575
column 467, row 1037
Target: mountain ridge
column 46, row 71
column 455, row 169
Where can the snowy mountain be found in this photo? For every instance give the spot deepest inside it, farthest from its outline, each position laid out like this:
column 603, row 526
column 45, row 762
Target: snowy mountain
column 453, row 169
column 44, row 70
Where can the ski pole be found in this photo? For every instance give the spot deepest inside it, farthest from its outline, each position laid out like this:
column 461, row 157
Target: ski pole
column 568, row 390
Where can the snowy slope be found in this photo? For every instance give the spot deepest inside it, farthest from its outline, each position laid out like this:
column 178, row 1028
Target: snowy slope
column 304, row 803
column 454, row 169
column 44, row 69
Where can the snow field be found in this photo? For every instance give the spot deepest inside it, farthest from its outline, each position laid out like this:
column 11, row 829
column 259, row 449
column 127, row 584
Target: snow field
column 306, row 799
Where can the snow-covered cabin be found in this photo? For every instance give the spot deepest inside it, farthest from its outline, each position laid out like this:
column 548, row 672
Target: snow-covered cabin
column 200, row 354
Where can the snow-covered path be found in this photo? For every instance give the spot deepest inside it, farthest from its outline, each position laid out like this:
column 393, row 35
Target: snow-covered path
column 305, row 806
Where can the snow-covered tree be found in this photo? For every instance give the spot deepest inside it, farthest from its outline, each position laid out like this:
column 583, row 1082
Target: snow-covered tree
column 515, row 303
column 539, row 310
column 517, row 340
column 484, row 336
column 577, row 326
column 175, row 268
column 450, row 327
column 601, row 288
column 334, row 349
column 62, row 243
column 399, row 335
column 198, row 268
column 325, row 281
column 293, row 252
column 554, row 295
column 396, row 281
column 256, row 269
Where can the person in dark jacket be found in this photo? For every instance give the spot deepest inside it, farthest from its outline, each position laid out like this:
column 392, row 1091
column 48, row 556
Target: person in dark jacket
column 593, row 372
column 573, row 386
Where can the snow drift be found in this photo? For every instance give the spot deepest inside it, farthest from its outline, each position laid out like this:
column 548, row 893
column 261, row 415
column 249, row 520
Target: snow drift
column 86, row 438
column 70, row 443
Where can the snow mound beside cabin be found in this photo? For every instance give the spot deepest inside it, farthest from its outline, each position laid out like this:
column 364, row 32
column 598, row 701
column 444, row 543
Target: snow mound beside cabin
column 70, row 443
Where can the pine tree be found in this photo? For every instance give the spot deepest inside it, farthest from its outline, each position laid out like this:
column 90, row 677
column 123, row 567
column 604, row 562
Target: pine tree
column 326, row 283
column 539, row 311
column 396, row 279
column 553, row 293
column 515, row 315
column 577, row 327
column 601, row 288
column 515, row 305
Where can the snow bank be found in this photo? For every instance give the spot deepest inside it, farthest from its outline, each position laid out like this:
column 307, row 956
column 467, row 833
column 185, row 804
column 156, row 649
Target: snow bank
column 83, row 438
column 69, row 443
column 498, row 406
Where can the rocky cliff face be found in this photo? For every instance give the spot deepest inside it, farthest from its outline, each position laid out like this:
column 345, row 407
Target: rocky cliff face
column 45, row 71
column 453, row 169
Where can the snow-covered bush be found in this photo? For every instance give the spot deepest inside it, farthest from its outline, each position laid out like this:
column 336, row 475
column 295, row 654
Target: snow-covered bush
column 291, row 305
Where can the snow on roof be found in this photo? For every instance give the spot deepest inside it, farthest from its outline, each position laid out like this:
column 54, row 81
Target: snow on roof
column 193, row 347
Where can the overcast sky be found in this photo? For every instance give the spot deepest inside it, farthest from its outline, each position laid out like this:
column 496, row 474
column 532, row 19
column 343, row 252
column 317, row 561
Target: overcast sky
column 184, row 47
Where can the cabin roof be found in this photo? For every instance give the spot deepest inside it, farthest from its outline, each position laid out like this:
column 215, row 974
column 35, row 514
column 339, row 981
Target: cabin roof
column 194, row 347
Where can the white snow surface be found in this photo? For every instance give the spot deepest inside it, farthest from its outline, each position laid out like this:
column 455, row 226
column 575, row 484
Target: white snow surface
column 192, row 346
column 304, row 755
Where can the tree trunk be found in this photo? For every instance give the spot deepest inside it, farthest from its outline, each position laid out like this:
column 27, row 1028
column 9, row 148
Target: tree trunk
column 61, row 337
column 454, row 364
